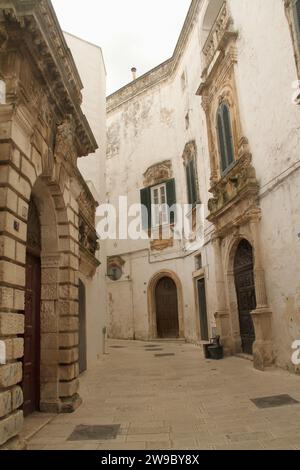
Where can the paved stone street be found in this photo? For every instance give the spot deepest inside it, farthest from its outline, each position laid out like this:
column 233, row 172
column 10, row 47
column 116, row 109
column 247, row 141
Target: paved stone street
column 179, row 401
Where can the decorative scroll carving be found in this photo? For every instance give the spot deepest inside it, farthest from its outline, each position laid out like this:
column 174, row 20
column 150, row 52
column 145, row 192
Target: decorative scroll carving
column 65, row 148
column 158, row 173
column 87, row 207
column 88, row 237
column 240, row 179
column 221, row 31
column 190, row 152
column 3, row 36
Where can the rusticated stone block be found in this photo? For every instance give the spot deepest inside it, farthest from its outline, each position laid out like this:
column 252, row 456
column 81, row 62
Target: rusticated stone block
column 11, row 324
column 11, row 426
column 5, row 403
column 14, row 348
column 49, row 341
column 6, row 297
column 7, row 245
column 68, row 340
column 67, row 324
column 19, row 299
column 49, row 357
column 17, row 397
column 68, row 307
column 11, row 273
column 11, row 374
column 49, row 292
column 70, row 372
column 49, row 321
column 49, row 373
column 28, row 170
column 68, row 389
column 68, row 356
column 18, row 348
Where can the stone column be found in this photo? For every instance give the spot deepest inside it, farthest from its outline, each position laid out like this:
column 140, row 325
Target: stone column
column 222, row 313
column 49, row 371
column 262, row 315
column 69, row 308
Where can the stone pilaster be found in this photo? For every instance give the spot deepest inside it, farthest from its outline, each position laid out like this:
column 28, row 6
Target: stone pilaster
column 222, row 314
column 262, row 316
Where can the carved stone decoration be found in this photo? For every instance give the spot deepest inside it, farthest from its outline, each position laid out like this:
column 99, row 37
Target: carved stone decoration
column 236, row 184
column 190, row 151
column 65, row 148
column 220, row 34
column 88, row 237
column 158, row 173
column 3, row 36
column 161, row 244
column 48, row 163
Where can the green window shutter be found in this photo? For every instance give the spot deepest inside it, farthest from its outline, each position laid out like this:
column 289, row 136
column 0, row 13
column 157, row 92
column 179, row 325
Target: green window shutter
column 194, row 191
column 225, row 137
column 171, row 198
column 146, row 208
column 222, row 148
column 191, row 182
column 228, row 135
column 188, row 182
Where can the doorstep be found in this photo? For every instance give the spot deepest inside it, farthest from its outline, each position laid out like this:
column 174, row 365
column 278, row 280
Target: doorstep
column 248, row 357
column 34, row 423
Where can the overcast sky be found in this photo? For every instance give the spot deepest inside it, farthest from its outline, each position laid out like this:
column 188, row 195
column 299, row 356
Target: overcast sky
column 140, row 33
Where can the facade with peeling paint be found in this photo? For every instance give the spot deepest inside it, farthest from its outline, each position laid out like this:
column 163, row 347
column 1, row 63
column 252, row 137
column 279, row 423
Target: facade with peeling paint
column 215, row 124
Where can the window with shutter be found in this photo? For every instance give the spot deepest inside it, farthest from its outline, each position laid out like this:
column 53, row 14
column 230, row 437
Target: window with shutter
column 225, row 137
column 191, row 178
column 146, row 208
column 171, row 199
column 157, row 202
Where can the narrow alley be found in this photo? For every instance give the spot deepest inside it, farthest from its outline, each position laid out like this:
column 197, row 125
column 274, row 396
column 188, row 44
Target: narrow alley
column 165, row 395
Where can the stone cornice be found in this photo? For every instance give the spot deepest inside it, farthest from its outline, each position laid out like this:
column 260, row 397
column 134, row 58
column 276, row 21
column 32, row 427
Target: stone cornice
column 160, row 73
column 36, row 24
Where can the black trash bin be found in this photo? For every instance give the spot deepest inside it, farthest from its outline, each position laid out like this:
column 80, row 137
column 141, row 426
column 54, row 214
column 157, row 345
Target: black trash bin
column 216, row 352
column 215, row 349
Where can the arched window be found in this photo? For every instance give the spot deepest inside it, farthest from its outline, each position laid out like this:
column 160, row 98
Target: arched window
column 225, row 137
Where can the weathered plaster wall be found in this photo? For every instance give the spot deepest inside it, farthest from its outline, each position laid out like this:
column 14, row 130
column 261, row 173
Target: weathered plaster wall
column 151, row 127
column 90, row 64
column 265, row 73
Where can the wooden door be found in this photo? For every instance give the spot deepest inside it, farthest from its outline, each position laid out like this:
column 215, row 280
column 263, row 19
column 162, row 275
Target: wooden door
column 203, row 310
column 82, row 329
column 167, row 309
column 31, row 361
column 245, row 289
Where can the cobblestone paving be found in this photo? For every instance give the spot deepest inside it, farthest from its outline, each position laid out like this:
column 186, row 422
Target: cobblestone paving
column 180, row 402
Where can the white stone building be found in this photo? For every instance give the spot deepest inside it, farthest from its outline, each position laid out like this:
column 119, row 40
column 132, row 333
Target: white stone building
column 220, row 113
column 90, row 64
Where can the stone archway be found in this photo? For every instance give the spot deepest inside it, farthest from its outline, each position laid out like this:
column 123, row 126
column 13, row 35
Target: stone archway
column 152, row 302
column 57, row 315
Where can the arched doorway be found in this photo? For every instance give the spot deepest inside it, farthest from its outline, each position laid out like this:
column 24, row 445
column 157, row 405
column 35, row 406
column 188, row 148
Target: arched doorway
column 31, row 361
column 166, row 299
column 245, row 290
